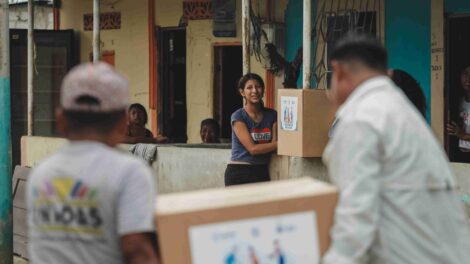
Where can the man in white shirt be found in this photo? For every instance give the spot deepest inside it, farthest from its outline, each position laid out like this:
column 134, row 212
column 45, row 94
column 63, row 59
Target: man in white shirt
column 398, row 200
column 89, row 203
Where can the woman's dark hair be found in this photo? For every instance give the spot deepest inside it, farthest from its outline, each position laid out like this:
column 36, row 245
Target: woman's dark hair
column 140, row 107
column 411, row 88
column 250, row 76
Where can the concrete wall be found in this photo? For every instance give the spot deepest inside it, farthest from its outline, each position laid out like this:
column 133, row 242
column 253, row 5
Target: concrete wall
column 180, row 168
column 183, row 168
column 130, row 43
column 408, row 38
column 200, row 73
column 168, row 12
column 34, row 149
column 43, row 18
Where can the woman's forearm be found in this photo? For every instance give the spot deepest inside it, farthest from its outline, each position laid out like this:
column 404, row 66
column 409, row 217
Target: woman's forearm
column 258, row 149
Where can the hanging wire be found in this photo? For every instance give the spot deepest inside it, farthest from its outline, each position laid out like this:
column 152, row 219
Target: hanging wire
column 259, row 35
column 330, row 22
column 336, row 20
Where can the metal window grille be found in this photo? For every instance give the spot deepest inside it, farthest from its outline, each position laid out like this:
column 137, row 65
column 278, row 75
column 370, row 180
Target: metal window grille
column 333, row 20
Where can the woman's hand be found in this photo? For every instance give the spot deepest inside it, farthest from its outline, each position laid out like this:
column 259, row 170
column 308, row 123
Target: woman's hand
column 455, row 130
column 161, row 139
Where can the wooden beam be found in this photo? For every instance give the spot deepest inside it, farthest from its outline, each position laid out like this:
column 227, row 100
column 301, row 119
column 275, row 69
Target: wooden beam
column 269, row 89
column 56, row 14
column 153, row 80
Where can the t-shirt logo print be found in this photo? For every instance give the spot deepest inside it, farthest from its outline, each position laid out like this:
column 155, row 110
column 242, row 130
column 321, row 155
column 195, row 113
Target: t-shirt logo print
column 67, row 206
column 261, row 135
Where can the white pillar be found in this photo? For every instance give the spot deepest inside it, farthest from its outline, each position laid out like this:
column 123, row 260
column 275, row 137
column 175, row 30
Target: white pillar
column 30, row 67
column 307, row 40
column 246, row 35
column 96, row 30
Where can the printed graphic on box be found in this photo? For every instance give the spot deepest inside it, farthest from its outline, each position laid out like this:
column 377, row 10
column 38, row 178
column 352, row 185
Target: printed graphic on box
column 281, row 239
column 289, row 113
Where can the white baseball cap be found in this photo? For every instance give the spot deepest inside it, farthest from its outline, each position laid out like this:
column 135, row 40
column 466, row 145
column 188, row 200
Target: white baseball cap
column 96, row 81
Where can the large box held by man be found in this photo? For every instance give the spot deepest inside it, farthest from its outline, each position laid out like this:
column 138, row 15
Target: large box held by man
column 304, row 119
column 276, row 221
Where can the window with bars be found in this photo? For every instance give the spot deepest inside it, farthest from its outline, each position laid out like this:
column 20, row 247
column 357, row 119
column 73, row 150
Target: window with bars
column 339, row 25
column 333, row 19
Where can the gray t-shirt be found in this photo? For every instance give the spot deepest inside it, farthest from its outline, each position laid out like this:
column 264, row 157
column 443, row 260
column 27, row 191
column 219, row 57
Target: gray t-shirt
column 261, row 133
column 83, row 199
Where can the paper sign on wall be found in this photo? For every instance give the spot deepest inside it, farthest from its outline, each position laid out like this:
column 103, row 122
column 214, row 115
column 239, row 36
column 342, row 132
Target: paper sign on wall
column 289, row 106
column 287, row 238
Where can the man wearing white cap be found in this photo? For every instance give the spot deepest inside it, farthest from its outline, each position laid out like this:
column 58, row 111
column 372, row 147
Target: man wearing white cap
column 89, row 203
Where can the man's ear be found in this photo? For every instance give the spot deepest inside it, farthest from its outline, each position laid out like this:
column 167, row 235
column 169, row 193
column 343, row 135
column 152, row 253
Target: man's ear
column 337, row 68
column 61, row 121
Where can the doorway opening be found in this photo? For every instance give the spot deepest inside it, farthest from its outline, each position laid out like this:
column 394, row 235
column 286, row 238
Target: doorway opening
column 457, row 59
column 171, row 102
column 56, row 52
column 228, row 68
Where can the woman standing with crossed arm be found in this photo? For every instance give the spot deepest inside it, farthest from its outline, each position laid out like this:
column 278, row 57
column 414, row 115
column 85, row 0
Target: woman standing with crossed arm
column 254, row 135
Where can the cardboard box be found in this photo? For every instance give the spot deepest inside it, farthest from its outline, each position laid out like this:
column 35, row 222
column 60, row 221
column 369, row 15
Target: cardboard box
column 247, row 221
column 304, row 119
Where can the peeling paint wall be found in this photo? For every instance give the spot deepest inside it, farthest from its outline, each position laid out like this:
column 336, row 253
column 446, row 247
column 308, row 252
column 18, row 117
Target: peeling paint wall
column 130, row 43
column 200, row 71
column 43, row 18
column 168, row 12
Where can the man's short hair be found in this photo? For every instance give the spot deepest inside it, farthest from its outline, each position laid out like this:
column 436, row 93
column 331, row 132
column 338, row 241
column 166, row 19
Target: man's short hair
column 103, row 123
column 363, row 48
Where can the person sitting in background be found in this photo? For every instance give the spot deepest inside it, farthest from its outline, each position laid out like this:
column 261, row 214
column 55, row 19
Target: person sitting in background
column 136, row 131
column 461, row 129
column 411, row 88
column 210, row 131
